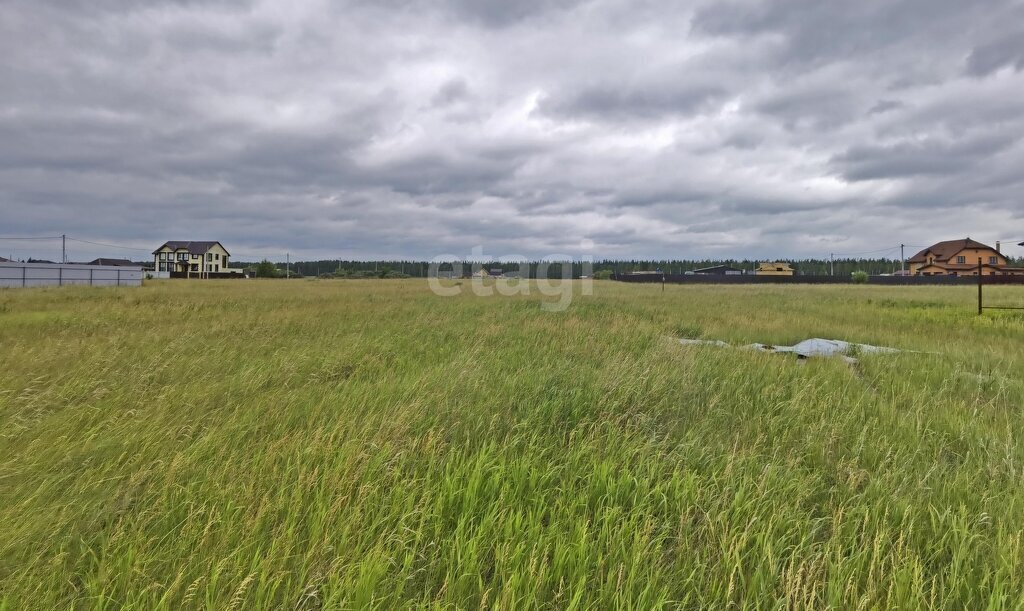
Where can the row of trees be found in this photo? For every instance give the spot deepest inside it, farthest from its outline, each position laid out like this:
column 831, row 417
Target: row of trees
column 420, row 269
column 319, row 269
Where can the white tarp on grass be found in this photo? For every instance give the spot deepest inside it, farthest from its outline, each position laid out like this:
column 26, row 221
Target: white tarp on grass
column 814, row 347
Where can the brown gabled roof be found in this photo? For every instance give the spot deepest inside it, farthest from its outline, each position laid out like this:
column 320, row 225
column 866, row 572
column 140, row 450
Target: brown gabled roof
column 944, row 251
column 194, row 248
column 112, row 262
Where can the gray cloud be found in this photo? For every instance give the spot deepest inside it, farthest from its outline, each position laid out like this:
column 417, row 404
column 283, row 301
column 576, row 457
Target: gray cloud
column 885, row 106
column 922, row 157
column 991, row 56
column 654, row 128
column 677, row 94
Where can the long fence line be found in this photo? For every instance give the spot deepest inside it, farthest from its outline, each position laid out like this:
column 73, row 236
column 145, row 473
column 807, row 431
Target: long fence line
column 755, row 279
column 24, row 275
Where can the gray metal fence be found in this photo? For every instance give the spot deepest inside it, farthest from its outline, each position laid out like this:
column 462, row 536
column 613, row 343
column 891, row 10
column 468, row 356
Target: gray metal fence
column 873, row 280
column 13, row 274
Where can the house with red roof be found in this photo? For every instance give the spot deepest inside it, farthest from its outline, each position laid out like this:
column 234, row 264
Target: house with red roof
column 961, row 258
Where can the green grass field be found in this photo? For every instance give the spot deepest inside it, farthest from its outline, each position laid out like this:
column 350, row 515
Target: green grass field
column 358, row 444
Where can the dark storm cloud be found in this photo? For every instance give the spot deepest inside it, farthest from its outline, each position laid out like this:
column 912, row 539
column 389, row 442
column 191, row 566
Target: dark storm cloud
column 991, row 56
column 625, row 100
column 814, row 31
column 489, row 13
column 885, row 106
column 653, row 128
column 501, row 12
column 922, row 157
column 453, row 91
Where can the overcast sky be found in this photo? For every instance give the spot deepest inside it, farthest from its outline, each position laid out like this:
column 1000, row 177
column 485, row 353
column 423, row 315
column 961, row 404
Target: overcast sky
column 390, row 128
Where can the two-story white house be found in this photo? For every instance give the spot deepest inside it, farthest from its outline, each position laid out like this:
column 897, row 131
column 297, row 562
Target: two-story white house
column 197, row 258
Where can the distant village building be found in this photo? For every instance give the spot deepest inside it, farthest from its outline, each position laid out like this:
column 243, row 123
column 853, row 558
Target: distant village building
column 719, row 270
column 191, row 257
column 961, row 258
column 113, row 262
column 774, row 269
column 490, row 273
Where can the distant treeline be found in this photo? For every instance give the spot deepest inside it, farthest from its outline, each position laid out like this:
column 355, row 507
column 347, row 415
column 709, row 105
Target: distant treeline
column 420, row 269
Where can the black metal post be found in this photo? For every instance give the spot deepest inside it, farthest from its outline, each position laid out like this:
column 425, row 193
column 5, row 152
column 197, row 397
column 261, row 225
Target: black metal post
column 979, row 287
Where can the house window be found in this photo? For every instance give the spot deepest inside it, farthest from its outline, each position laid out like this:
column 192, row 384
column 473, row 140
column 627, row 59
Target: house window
column 993, row 260
column 163, row 256
column 183, row 256
column 216, row 267
column 209, row 256
column 961, row 260
column 194, row 267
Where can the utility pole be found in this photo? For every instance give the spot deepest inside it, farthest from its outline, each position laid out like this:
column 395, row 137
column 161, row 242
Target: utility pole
column 63, row 248
column 287, row 265
column 831, row 264
column 903, row 259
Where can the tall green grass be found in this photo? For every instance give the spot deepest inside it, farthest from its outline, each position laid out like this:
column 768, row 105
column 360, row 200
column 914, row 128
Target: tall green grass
column 357, row 444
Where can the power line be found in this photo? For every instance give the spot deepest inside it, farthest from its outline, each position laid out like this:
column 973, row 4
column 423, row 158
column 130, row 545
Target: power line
column 135, row 248
column 866, row 252
column 109, row 245
column 56, row 237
